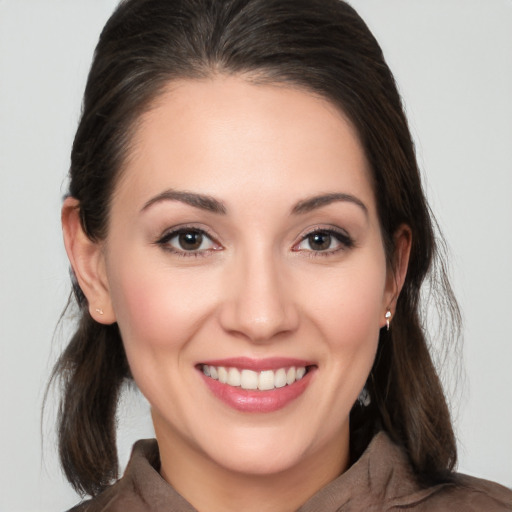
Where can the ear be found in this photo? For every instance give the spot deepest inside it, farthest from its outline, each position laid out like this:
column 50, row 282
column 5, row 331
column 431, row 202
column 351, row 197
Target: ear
column 397, row 270
column 87, row 260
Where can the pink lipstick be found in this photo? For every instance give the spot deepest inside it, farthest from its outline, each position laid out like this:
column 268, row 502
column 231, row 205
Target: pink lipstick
column 257, row 385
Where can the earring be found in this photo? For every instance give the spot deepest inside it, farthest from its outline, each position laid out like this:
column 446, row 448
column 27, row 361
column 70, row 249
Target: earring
column 364, row 398
column 100, row 311
column 388, row 319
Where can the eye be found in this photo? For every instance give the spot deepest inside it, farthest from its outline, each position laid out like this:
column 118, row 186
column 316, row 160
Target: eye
column 188, row 240
column 324, row 240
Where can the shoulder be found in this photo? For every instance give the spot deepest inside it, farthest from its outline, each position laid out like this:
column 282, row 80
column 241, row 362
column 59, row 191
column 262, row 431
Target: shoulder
column 112, row 499
column 383, row 480
column 471, row 494
column 140, row 489
column 462, row 494
column 126, row 494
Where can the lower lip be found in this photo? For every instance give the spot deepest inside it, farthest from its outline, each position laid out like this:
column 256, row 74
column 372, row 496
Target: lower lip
column 246, row 400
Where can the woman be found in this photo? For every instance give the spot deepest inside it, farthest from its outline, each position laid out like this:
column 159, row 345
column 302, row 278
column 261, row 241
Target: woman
column 248, row 237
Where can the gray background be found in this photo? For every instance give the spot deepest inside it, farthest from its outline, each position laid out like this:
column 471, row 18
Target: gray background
column 453, row 63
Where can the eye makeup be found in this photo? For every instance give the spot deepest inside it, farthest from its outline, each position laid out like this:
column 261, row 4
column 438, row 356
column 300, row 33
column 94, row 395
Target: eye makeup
column 324, row 241
column 188, row 241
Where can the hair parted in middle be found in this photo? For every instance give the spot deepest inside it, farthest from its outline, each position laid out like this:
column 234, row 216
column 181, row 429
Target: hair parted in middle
column 320, row 46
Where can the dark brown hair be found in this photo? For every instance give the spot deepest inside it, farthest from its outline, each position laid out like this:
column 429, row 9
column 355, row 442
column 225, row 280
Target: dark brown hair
column 324, row 47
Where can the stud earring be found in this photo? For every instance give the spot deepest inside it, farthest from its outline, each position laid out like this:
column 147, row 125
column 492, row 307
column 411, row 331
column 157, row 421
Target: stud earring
column 100, row 311
column 388, row 319
column 364, row 398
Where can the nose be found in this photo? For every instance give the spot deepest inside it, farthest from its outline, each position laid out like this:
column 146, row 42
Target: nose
column 259, row 303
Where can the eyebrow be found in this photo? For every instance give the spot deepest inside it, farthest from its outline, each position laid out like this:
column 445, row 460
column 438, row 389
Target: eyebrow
column 208, row 203
column 204, row 202
column 312, row 203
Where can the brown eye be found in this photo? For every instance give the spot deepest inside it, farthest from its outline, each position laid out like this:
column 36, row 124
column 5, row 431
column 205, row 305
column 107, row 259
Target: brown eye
column 324, row 241
column 190, row 241
column 319, row 241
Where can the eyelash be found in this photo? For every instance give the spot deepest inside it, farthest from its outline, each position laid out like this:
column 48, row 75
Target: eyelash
column 164, row 240
column 345, row 241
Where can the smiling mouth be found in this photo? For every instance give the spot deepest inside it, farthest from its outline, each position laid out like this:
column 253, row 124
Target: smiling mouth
column 265, row 380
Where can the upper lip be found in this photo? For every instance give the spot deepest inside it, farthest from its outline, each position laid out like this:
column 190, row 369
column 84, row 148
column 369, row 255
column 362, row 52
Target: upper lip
column 270, row 363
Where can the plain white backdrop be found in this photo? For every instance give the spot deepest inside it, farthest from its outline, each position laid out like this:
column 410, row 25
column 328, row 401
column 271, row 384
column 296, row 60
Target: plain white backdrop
column 453, row 63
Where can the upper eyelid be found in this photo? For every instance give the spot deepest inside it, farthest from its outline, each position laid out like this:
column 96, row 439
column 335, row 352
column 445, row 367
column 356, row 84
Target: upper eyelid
column 342, row 236
column 325, row 228
column 175, row 230
column 165, row 238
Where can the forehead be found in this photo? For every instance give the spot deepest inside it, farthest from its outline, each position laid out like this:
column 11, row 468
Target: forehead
column 231, row 138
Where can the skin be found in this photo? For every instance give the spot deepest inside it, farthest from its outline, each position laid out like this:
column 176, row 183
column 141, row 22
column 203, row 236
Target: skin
column 258, row 286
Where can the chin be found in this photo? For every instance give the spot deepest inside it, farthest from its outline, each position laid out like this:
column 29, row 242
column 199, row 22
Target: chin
column 267, row 451
column 258, row 461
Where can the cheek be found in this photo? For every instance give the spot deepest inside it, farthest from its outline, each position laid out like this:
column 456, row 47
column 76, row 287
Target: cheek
column 348, row 313
column 157, row 308
column 158, row 313
column 350, row 305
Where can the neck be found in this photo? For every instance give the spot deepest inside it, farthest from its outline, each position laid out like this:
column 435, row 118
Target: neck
column 211, row 488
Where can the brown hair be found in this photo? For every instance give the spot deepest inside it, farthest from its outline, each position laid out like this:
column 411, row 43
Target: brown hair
column 324, row 47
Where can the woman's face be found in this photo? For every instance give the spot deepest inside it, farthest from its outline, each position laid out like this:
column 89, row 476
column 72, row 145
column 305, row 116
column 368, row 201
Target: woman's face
column 246, row 270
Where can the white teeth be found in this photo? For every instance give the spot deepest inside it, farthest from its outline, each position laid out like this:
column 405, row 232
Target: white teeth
column 280, row 378
column 233, row 377
column 249, row 379
column 223, row 374
column 266, row 380
column 290, row 375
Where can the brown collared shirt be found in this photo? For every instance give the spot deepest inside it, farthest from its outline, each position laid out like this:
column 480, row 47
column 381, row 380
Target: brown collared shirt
column 380, row 481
